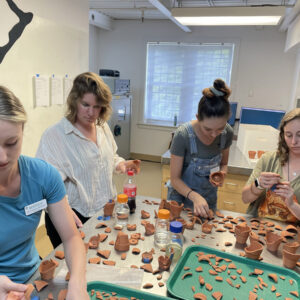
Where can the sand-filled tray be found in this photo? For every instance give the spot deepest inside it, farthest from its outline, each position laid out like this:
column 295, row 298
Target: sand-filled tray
column 112, row 290
column 207, row 271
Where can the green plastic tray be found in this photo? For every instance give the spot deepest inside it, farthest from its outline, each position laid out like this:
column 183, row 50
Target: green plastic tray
column 181, row 288
column 120, row 290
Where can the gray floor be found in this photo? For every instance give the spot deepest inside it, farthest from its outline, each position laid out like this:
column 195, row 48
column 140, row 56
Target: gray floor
column 148, row 180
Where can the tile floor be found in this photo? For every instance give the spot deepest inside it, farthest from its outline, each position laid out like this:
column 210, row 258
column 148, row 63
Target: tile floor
column 148, row 184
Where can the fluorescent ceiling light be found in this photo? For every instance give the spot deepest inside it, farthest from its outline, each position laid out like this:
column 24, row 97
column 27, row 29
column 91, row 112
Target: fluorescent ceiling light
column 228, row 16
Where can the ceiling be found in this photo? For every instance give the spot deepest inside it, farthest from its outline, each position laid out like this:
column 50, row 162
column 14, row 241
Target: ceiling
column 143, row 9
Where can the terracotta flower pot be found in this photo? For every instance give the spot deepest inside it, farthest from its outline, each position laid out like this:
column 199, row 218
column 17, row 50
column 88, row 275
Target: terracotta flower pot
column 217, row 178
column 290, row 259
column 291, row 247
column 260, row 153
column 164, row 263
column 251, row 154
column 47, row 269
column 109, row 208
column 190, row 225
column 273, row 241
column 122, row 242
column 175, row 209
column 254, row 250
column 241, row 233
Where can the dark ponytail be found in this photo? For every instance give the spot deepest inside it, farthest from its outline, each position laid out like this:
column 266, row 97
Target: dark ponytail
column 214, row 102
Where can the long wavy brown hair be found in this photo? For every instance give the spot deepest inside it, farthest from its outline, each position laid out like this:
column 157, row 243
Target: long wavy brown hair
column 283, row 150
column 84, row 83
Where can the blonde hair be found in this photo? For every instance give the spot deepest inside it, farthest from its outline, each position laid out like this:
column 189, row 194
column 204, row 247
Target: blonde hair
column 283, row 149
column 11, row 108
column 84, row 83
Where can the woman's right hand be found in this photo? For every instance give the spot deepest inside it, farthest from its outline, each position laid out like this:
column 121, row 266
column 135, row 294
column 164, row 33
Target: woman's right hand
column 10, row 290
column 268, row 179
column 201, row 207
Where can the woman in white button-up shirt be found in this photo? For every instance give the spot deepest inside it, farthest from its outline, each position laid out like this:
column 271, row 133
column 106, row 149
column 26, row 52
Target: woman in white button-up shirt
column 82, row 148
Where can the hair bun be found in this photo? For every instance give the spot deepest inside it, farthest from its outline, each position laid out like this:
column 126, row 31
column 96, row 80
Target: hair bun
column 220, row 85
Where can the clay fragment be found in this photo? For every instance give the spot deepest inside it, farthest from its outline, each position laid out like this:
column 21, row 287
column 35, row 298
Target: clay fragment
column 147, row 267
column 227, row 244
column 273, row 288
column 200, row 296
column 59, row 254
column 243, row 278
column 208, row 287
column 273, row 276
column 107, row 230
column 62, row 294
column 135, row 251
column 40, row 284
column 109, row 262
column 123, row 256
column 147, row 286
column 94, row 242
column 252, row 296
column 212, row 272
column 50, row 296
column 145, row 214
column 219, row 278
column 134, row 267
column 100, row 225
column 133, row 242
column 147, row 257
column 104, row 253
column 199, row 269
column 82, row 234
column 219, row 214
column 131, row 227
column 94, row 260
column 186, row 274
column 161, row 284
column 149, row 229
column 111, row 243
column 295, row 293
column 190, row 226
column 217, row 295
column 201, row 280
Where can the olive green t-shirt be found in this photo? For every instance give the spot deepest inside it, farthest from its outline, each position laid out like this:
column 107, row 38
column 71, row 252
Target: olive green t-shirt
column 269, row 162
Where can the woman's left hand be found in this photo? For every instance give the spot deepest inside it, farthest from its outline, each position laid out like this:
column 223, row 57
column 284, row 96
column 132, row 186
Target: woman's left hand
column 285, row 190
column 129, row 165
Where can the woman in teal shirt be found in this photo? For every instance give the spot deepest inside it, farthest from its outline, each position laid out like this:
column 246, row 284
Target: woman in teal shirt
column 27, row 186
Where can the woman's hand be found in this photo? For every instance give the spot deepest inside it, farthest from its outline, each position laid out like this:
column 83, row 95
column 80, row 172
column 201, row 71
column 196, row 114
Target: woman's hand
column 285, row 190
column 129, row 165
column 201, row 207
column 268, row 179
column 10, row 290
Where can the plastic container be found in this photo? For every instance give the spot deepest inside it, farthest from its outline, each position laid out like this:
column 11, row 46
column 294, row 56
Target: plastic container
column 161, row 236
column 129, row 188
column 174, row 247
column 122, row 210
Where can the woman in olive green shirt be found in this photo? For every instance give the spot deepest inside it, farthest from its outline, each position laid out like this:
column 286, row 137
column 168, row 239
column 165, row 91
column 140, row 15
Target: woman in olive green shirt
column 273, row 189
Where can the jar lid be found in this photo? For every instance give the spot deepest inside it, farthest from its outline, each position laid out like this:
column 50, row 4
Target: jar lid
column 176, row 227
column 163, row 214
column 130, row 173
column 122, row 198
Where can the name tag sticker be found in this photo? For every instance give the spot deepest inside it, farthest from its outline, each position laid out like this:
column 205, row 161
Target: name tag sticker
column 34, row 207
column 215, row 169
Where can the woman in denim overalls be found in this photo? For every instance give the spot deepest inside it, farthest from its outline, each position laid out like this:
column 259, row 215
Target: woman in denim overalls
column 190, row 169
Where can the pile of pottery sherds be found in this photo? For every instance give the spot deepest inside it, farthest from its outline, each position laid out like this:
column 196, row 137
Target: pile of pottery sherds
column 238, row 226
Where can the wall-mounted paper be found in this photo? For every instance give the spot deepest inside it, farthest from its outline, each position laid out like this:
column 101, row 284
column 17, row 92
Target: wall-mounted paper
column 57, row 96
column 41, row 90
column 68, row 83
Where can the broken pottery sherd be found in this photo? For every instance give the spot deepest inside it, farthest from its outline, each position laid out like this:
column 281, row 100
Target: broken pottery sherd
column 131, row 227
column 94, row 242
column 147, row 257
column 164, row 263
column 149, row 229
column 207, row 228
column 145, row 214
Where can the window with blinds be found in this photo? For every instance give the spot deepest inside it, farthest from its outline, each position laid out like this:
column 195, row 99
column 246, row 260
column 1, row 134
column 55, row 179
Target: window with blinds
column 176, row 74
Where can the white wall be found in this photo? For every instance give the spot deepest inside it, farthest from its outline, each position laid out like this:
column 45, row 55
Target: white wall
column 263, row 78
column 55, row 42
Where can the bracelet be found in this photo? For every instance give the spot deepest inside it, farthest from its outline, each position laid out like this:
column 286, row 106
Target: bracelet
column 187, row 196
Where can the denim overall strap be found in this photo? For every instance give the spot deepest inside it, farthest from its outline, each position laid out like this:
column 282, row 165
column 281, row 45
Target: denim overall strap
column 192, row 138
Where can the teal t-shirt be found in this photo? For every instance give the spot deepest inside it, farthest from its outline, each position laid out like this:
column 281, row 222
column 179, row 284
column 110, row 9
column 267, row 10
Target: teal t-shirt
column 19, row 258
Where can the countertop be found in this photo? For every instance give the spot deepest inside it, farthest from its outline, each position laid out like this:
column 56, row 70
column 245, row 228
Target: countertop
column 215, row 240
column 237, row 164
